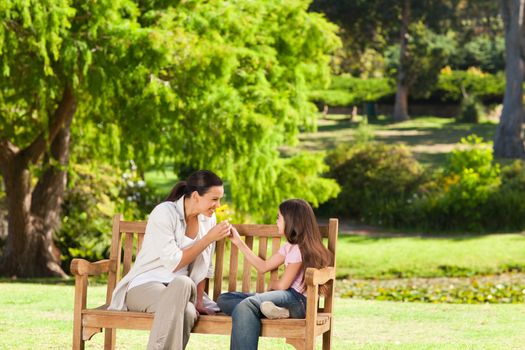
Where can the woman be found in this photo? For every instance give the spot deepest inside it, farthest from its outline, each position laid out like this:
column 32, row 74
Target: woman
column 169, row 273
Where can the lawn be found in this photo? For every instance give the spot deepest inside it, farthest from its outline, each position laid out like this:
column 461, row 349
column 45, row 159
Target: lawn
column 429, row 138
column 361, row 256
column 39, row 316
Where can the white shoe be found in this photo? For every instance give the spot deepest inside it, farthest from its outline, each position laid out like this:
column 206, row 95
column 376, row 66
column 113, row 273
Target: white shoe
column 272, row 311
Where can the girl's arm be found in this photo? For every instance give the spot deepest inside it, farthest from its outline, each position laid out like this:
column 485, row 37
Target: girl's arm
column 260, row 265
column 291, row 271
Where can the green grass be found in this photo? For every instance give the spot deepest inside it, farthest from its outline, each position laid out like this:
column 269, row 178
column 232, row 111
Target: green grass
column 35, row 316
column 386, row 257
column 429, row 138
column 162, row 180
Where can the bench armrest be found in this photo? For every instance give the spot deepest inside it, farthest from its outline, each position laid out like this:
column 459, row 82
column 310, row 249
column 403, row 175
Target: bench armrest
column 81, row 267
column 316, row 277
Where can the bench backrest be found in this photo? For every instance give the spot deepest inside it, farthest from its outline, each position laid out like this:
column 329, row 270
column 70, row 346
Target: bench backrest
column 128, row 237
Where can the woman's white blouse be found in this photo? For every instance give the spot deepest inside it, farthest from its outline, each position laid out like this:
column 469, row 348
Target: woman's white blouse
column 162, row 248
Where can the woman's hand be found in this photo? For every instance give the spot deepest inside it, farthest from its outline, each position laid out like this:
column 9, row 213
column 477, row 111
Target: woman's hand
column 219, row 231
column 201, row 310
column 235, row 237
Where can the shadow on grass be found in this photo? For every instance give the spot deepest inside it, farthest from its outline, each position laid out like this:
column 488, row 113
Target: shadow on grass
column 54, row 280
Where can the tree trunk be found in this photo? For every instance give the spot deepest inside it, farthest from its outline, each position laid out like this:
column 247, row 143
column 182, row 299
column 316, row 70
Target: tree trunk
column 29, row 249
column 508, row 141
column 401, row 104
column 48, row 194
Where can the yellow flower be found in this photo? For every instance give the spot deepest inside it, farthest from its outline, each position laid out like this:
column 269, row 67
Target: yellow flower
column 224, row 212
column 446, row 70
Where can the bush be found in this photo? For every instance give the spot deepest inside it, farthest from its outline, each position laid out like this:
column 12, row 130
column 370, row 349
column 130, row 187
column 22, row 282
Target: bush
column 486, row 87
column 461, row 190
column 471, row 110
column 346, row 90
column 94, row 194
column 377, row 181
column 505, row 208
column 485, row 52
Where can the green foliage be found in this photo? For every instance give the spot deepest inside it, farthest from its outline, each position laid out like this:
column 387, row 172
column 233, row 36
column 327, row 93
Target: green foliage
column 428, row 52
column 471, row 291
column 376, row 180
column 469, row 178
column 95, row 193
column 201, row 84
column 485, row 86
column 346, row 90
column 485, row 52
column 471, row 110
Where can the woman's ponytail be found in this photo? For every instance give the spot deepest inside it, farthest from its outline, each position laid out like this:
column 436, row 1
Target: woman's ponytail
column 177, row 191
column 200, row 181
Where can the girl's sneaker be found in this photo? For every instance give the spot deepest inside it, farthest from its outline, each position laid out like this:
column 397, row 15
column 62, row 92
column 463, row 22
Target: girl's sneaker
column 272, row 311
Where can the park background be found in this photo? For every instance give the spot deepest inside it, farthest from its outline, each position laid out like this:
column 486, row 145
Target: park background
column 401, row 118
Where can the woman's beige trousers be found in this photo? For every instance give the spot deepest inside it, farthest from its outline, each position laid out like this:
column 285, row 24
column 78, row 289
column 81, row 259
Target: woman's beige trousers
column 174, row 310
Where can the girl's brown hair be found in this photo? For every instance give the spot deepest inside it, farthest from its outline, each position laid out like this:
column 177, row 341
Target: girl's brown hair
column 300, row 227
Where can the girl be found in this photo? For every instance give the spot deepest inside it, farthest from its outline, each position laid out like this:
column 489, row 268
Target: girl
column 169, row 274
column 303, row 249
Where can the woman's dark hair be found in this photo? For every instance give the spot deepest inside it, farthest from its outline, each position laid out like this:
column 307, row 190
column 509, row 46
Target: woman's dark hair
column 200, row 181
column 300, row 227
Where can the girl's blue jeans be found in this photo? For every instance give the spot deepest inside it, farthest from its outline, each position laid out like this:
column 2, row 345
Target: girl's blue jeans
column 246, row 313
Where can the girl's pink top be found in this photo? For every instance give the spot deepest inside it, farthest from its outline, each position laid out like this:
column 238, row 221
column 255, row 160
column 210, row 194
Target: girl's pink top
column 292, row 254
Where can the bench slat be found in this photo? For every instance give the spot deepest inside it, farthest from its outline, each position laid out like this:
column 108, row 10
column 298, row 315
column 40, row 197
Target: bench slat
column 128, row 252
column 263, row 248
column 139, row 241
column 216, row 324
column 276, row 243
column 234, row 267
column 246, row 274
column 219, row 258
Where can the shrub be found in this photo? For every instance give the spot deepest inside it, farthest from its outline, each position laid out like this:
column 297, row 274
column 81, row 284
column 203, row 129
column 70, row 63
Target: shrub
column 377, row 180
column 486, row 87
column 471, row 110
column 456, row 198
column 346, row 90
column 94, row 194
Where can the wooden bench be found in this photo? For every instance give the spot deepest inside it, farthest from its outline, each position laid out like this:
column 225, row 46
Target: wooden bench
column 128, row 237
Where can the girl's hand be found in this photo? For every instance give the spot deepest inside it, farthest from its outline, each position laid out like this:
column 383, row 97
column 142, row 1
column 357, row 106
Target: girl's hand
column 235, row 237
column 219, row 231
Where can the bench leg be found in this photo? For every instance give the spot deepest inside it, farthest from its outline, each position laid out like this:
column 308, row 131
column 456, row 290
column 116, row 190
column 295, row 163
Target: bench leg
column 80, row 304
column 78, row 343
column 110, row 337
column 327, row 339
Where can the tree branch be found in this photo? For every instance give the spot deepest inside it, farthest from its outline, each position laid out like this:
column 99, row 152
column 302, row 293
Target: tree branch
column 66, row 107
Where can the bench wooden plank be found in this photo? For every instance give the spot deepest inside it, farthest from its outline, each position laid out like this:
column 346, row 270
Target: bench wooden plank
column 247, row 270
column 263, row 248
column 217, row 280
column 276, row 244
column 128, row 252
column 234, row 264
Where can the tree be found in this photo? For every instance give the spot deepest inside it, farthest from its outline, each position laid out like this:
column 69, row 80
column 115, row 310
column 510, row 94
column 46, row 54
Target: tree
column 205, row 85
column 508, row 141
column 401, row 104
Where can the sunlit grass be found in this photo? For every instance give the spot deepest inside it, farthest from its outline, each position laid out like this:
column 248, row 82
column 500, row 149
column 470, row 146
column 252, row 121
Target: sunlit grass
column 34, row 316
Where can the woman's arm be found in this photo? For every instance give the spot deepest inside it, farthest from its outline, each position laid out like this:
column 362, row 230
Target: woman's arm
column 289, row 275
column 189, row 254
column 260, row 265
column 199, row 305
